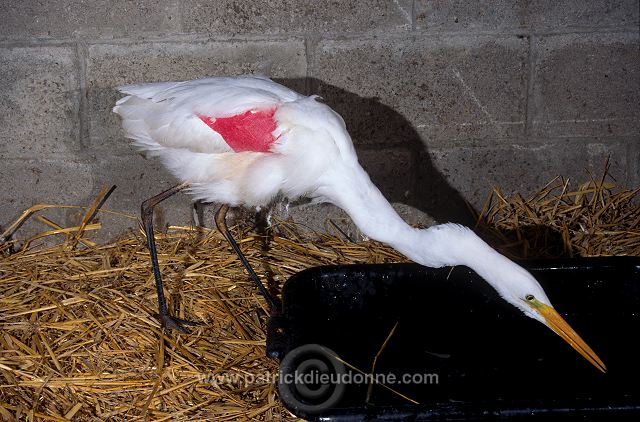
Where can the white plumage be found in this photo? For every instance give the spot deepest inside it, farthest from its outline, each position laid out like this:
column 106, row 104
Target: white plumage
column 311, row 155
column 162, row 119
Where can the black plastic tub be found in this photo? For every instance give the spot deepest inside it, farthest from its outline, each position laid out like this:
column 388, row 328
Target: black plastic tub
column 458, row 350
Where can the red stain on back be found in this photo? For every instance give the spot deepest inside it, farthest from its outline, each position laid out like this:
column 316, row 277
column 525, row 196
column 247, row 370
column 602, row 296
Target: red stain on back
column 249, row 131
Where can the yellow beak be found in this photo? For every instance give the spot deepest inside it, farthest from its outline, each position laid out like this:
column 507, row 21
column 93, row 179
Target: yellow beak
column 560, row 327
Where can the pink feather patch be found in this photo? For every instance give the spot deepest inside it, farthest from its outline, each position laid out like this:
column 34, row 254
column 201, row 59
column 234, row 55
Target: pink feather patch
column 249, row 131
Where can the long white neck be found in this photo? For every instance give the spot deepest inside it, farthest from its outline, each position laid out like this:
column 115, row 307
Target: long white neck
column 438, row 246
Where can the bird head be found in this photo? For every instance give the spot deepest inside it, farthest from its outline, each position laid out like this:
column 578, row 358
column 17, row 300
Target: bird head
column 451, row 244
column 518, row 287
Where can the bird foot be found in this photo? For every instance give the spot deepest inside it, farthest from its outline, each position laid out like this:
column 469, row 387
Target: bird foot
column 175, row 323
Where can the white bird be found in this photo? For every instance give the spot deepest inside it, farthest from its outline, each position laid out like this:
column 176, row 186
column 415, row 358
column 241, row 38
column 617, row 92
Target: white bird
column 243, row 141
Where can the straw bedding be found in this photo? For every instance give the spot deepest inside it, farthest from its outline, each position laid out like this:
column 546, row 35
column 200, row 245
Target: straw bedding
column 78, row 340
column 594, row 219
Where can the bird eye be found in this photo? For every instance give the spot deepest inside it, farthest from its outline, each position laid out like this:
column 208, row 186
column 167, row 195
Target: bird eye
column 529, row 298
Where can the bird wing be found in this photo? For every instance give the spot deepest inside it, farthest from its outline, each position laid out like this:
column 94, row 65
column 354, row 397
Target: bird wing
column 237, row 140
column 210, row 115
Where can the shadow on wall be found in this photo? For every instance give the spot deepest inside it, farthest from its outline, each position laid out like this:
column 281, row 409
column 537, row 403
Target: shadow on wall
column 374, row 125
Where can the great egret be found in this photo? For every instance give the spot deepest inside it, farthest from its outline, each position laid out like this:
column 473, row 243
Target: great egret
column 243, row 141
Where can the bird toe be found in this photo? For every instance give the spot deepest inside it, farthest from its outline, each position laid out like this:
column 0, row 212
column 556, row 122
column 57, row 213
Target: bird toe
column 174, row 323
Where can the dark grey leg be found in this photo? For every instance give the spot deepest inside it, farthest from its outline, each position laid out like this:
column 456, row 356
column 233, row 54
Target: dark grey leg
column 221, row 223
column 198, row 214
column 166, row 320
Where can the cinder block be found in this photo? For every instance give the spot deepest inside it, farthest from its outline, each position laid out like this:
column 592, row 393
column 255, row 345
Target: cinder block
column 112, row 65
column 39, row 101
column 138, row 179
column 327, row 218
column 563, row 14
column 292, row 16
column 319, row 218
column 70, row 182
column 389, row 89
column 634, row 166
column 461, row 15
column 392, row 170
column 66, row 18
column 450, row 176
column 586, row 85
column 43, row 181
column 414, row 216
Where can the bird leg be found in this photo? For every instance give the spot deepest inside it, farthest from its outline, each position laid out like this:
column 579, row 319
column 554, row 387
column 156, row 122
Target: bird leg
column 198, row 213
column 166, row 320
column 221, row 223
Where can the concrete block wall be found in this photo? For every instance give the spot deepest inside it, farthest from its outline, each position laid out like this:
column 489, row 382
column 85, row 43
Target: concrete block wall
column 444, row 99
